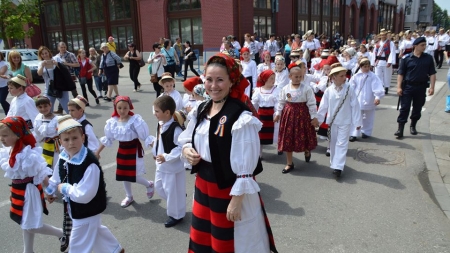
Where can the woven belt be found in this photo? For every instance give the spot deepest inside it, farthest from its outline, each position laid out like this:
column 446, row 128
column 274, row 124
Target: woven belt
column 244, row 176
column 22, row 181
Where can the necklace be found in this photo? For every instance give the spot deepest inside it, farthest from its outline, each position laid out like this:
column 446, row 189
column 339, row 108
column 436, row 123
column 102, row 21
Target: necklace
column 221, row 101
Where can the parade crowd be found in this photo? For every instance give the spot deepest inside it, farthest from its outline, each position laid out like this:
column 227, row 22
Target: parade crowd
column 284, row 92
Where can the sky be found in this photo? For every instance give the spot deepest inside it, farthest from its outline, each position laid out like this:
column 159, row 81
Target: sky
column 444, row 4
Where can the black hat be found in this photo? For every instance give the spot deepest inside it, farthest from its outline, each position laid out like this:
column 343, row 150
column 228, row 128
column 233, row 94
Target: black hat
column 419, row 40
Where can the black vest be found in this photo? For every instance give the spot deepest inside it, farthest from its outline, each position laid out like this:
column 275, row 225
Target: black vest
column 167, row 138
column 84, row 123
column 220, row 139
column 76, row 172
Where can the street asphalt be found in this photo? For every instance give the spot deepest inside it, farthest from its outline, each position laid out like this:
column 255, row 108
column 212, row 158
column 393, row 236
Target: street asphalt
column 388, row 199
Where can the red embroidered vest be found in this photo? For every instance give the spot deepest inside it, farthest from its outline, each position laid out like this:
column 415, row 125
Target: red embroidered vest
column 386, row 49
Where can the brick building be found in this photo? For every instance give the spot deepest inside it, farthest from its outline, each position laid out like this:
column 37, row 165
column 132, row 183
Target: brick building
column 87, row 23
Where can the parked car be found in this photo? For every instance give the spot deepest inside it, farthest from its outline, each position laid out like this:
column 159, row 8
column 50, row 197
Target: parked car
column 29, row 58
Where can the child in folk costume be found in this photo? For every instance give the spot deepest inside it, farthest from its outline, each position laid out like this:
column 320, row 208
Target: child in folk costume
column 340, row 104
column 128, row 128
column 349, row 61
column 265, row 100
column 23, row 163
column 168, row 84
column 189, row 100
column 45, row 130
column 79, row 178
column 21, row 105
column 266, row 64
column 76, row 109
column 297, row 110
column 170, row 176
column 248, row 70
column 281, row 72
column 369, row 90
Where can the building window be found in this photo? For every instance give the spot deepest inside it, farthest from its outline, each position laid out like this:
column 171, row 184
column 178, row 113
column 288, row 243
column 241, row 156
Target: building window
column 336, row 9
column 262, row 25
column 315, row 7
column 74, row 40
column 122, row 36
column 182, row 5
column 54, row 38
column 96, row 36
column 187, row 29
column 326, row 8
column 119, row 9
column 52, row 17
column 262, row 4
column 303, row 7
column 93, row 11
column 71, row 13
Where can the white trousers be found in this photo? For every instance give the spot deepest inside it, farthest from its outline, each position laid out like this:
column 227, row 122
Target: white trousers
column 368, row 118
column 385, row 75
column 90, row 235
column 172, row 188
column 339, row 146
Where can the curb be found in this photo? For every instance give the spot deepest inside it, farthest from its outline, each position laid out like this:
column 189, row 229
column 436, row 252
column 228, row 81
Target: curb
column 441, row 193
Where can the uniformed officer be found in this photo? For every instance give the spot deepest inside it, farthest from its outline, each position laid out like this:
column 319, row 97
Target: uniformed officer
column 413, row 74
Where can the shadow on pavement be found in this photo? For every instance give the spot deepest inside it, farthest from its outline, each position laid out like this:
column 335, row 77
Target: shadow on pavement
column 270, row 195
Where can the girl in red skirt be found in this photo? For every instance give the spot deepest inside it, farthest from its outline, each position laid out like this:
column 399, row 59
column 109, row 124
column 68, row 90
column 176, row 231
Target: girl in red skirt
column 265, row 100
column 297, row 110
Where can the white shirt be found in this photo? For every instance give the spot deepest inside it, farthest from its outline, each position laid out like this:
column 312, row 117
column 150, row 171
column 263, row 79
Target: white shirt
column 93, row 142
column 236, row 45
column 282, row 78
column 24, row 107
column 272, row 47
column 368, row 87
column 173, row 163
column 406, row 44
column 443, row 39
column 177, row 97
column 263, row 66
column 431, row 44
column 45, row 127
column 392, row 56
column 249, row 69
column 310, row 45
column 303, row 93
column 348, row 114
column 265, row 98
column 157, row 64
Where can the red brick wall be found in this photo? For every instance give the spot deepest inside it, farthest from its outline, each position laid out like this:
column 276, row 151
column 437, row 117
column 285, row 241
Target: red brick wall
column 218, row 21
column 284, row 18
column 153, row 22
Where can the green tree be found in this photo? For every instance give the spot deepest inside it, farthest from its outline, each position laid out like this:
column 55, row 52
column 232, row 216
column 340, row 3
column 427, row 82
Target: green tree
column 440, row 16
column 13, row 19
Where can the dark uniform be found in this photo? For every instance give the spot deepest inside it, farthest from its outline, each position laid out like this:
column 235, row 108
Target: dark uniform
column 416, row 72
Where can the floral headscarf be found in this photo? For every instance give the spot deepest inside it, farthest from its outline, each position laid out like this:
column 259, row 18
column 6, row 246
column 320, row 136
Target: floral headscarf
column 263, row 77
column 122, row 98
column 237, row 79
column 20, row 128
column 200, row 90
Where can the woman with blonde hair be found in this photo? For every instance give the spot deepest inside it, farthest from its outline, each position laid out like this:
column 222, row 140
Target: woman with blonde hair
column 16, row 66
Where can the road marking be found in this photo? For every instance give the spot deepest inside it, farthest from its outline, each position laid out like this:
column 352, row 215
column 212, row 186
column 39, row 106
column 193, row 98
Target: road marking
column 393, row 107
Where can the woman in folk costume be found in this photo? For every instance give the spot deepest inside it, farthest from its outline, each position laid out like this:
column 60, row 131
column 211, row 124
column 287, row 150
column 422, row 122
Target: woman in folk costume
column 369, row 90
column 23, row 163
column 310, row 45
column 296, row 111
column 406, row 47
column 248, row 70
column 316, row 60
column 221, row 143
column 266, row 64
column 128, row 129
column 265, row 100
column 349, row 61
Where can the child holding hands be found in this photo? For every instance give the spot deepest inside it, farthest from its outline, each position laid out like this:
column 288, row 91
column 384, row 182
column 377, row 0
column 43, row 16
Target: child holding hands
column 170, row 176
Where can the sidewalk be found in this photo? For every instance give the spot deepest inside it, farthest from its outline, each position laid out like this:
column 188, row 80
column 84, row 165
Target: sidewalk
column 436, row 149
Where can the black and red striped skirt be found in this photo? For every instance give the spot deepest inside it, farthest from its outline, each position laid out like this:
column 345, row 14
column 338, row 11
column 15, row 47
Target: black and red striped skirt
column 267, row 130
column 126, row 160
column 210, row 229
column 18, row 199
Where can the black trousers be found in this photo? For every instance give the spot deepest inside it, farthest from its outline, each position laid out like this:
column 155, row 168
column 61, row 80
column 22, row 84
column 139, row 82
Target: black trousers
column 170, row 69
column 158, row 88
column 134, row 73
column 439, row 57
column 250, row 80
column 415, row 94
column 190, row 63
column 257, row 59
column 89, row 86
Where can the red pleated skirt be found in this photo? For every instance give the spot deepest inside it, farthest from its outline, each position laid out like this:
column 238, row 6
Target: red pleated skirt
column 296, row 132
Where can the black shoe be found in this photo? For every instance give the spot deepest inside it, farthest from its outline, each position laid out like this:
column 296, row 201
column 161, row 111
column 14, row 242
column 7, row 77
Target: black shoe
column 328, row 152
column 64, row 243
column 172, row 222
column 337, row 173
column 399, row 133
column 290, row 168
column 307, row 157
column 364, row 136
column 412, row 128
column 97, row 101
column 87, row 104
column 107, row 99
column 280, row 152
column 386, row 90
column 352, row 138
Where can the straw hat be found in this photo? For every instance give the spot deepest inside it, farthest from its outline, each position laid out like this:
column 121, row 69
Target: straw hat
column 80, row 101
column 20, row 79
column 103, row 45
column 179, row 117
column 325, row 53
column 336, row 70
column 166, row 76
column 383, row 31
column 295, row 53
column 363, row 60
column 308, row 33
column 65, row 123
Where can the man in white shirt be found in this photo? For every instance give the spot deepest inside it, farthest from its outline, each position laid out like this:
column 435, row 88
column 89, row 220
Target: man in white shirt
column 384, row 57
column 431, row 43
column 271, row 45
column 442, row 40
